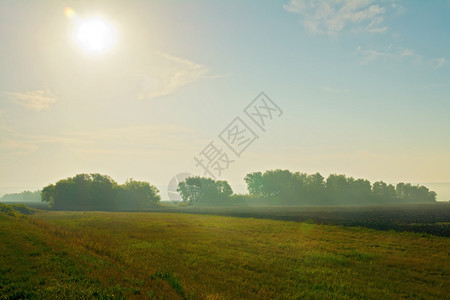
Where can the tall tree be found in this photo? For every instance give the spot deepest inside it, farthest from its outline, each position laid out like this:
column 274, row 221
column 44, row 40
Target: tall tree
column 255, row 183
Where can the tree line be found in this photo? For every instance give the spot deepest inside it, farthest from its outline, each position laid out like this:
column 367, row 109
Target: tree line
column 283, row 187
column 99, row 192
column 25, row 196
column 278, row 187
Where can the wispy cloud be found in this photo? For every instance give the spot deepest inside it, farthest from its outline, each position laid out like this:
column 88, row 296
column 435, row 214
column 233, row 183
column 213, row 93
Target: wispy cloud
column 389, row 53
column 440, row 62
column 331, row 17
column 35, row 100
column 168, row 75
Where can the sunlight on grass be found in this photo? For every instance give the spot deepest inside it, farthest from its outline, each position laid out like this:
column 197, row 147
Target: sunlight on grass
column 182, row 256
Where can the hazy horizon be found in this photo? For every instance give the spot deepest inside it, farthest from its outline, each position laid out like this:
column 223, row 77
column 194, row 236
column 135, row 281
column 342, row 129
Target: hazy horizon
column 441, row 188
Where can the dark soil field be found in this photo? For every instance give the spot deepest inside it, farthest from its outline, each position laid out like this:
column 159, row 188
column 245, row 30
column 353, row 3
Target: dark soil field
column 425, row 218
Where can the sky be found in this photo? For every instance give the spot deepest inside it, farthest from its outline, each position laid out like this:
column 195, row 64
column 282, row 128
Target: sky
column 360, row 88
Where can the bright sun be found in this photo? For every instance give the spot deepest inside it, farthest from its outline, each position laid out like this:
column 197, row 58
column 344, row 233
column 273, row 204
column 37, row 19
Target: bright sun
column 95, row 35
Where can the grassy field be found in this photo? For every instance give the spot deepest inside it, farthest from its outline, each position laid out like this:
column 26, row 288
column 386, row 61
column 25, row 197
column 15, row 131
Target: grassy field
column 172, row 255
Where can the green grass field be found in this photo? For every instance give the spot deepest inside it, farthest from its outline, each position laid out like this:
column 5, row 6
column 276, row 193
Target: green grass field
column 172, row 255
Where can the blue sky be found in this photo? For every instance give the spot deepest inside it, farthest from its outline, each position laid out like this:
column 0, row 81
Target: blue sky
column 363, row 85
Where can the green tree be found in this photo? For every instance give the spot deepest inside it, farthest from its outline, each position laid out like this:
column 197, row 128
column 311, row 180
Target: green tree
column 99, row 192
column 223, row 189
column 383, row 193
column 48, row 195
column 255, row 183
column 337, row 187
column 315, row 192
column 409, row 193
column 104, row 191
column 139, row 194
column 280, row 185
column 190, row 190
column 285, row 187
column 360, row 191
column 203, row 190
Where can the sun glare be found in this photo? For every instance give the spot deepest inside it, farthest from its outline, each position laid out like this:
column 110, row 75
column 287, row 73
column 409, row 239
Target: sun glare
column 95, row 35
